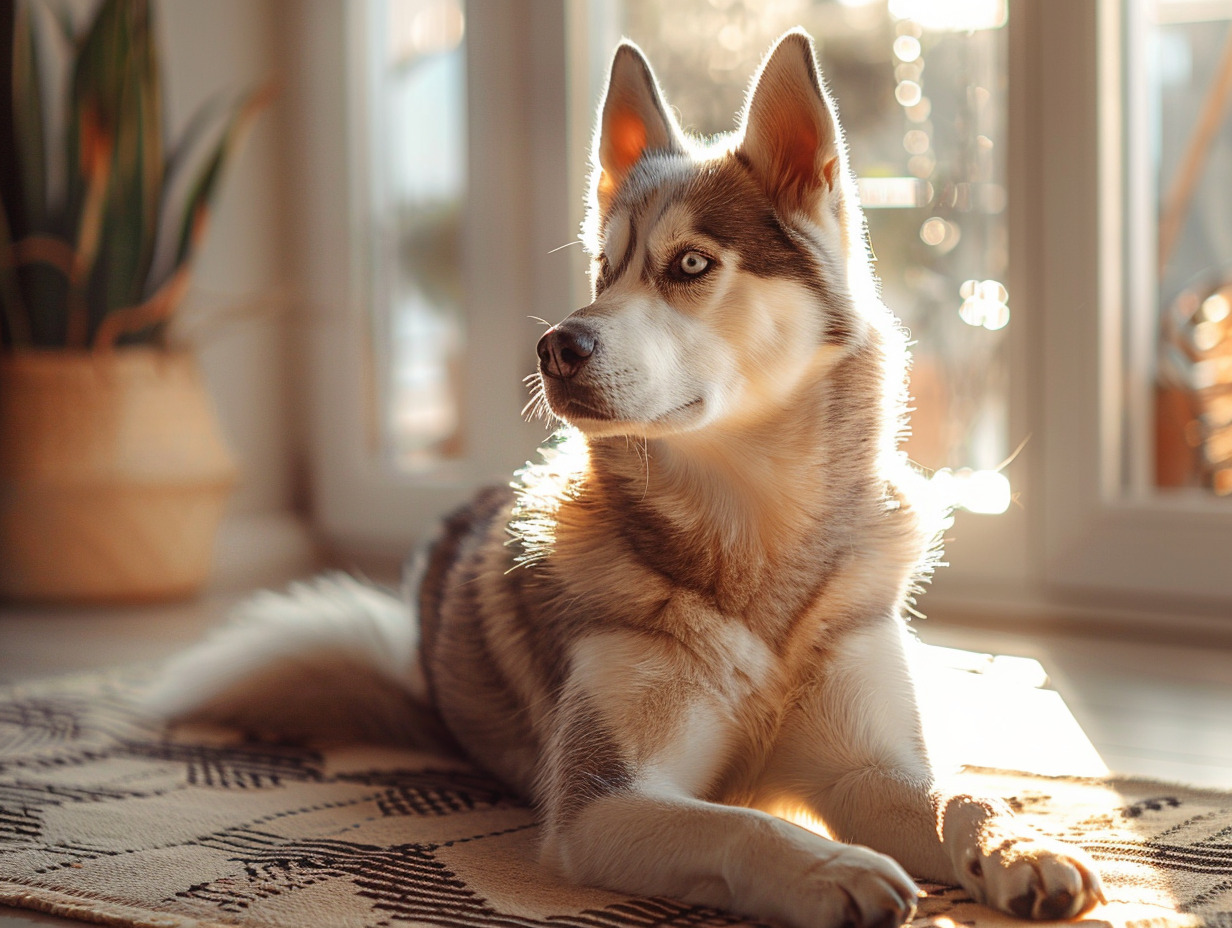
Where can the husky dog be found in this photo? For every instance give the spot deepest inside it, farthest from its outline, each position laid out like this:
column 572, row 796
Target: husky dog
column 689, row 617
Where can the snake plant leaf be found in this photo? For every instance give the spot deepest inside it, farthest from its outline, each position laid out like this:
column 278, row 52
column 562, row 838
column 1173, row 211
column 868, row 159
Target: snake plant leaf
column 208, row 118
column 102, row 222
column 62, row 16
column 146, row 321
column 93, row 92
column 97, row 145
column 56, row 43
column 205, row 127
column 130, row 218
column 16, row 317
column 28, row 122
column 153, row 154
column 213, row 134
column 195, row 217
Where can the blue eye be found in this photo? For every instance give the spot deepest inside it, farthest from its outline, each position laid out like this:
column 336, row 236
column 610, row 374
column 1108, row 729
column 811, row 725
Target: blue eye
column 692, row 263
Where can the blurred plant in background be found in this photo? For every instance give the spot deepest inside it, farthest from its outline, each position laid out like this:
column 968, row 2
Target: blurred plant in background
column 100, row 215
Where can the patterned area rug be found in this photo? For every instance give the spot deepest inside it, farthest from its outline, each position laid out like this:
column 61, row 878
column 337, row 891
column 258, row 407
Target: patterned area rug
column 106, row 818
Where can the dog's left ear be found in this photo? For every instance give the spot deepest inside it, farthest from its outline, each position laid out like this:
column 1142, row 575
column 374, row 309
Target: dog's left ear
column 791, row 138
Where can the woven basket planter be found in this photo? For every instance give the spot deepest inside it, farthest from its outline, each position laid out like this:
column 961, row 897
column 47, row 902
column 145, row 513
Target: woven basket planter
column 113, row 476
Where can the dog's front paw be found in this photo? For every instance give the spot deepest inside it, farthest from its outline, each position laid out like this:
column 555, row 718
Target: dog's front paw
column 857, row 888
column 1032, row 877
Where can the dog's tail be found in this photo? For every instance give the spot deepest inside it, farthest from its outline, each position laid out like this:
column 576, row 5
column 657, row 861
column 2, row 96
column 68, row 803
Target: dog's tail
column 332, row 658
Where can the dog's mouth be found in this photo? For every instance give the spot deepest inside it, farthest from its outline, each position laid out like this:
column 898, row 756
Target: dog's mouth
column 573, row 408
column 581, row 406
column 680, row 410
column 571, row 401
column 579, row 412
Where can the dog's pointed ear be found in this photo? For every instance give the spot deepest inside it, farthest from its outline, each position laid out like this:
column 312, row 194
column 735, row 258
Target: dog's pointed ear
column 791, row 138
column 633, row 120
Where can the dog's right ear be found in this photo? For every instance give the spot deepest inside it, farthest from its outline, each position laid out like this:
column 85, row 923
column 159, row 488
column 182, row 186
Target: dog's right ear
column 633, row 120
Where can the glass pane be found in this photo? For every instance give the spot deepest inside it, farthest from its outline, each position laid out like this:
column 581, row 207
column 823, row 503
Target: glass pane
column 1187, row 45
column 921, row 91
column 417, row 123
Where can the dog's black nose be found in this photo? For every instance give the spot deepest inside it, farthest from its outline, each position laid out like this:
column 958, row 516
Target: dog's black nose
column 565, row 348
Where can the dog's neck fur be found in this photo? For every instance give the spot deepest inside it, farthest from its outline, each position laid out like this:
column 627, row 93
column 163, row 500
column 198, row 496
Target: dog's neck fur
column 723, row 511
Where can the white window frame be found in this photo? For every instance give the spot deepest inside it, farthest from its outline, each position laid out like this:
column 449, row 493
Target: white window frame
column 1103, row 533
column 1076, row 545
column 1088, row 545
column 516, row 130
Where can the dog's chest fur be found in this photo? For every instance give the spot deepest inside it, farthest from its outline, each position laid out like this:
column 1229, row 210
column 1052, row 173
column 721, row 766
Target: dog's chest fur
column 675, row 585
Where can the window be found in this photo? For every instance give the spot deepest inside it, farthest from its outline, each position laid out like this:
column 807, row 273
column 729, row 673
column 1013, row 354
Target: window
column 1014, row 157
column 1111, row 535
column 430, row 157
column 921, row 90
column 416, row 203
column 923, row 98
column 1179, row 157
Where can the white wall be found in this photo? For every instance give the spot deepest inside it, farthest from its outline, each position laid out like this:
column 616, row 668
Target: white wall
column 242, row 293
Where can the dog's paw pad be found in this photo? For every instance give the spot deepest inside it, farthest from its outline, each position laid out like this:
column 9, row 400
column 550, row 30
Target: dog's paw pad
column 1037, row 879
column 861, row 889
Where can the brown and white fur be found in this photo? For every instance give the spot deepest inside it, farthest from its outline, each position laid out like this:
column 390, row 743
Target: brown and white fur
column 689, row 618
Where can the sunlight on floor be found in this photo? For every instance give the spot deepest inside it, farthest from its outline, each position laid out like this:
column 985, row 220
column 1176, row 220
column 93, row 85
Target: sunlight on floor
column 999, row 711
column 995, row 711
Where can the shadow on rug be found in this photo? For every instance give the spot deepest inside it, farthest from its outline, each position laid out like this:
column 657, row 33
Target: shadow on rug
column 106, row 818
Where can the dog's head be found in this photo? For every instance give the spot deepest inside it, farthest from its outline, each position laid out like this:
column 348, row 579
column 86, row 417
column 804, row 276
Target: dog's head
column 725, row 276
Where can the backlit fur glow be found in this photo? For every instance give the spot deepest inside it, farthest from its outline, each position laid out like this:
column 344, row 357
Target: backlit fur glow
column 688, row 616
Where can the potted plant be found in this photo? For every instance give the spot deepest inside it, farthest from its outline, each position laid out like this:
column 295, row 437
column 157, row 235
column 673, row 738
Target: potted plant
column 113, row 473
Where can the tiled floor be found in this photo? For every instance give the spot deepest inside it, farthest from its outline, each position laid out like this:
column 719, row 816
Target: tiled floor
column 1146, row 709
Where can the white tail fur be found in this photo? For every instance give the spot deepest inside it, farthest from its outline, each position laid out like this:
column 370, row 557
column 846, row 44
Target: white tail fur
column 332, row 657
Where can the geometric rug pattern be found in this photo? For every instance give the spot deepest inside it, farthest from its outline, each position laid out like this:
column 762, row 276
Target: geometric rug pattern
column 108, row 817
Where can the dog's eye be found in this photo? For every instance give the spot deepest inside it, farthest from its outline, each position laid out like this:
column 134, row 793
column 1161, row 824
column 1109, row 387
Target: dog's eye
column 691, row 263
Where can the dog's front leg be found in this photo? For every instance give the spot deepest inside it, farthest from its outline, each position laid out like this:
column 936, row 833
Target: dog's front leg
column 739, row 859
column 634, row 751
column 857, row 739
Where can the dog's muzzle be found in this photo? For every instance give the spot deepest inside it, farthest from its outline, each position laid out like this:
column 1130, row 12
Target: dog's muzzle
column 564, row 349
